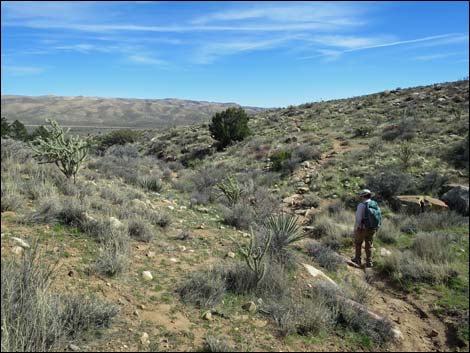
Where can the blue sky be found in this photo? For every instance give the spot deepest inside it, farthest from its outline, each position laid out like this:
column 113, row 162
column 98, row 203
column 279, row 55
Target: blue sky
column 267, row 54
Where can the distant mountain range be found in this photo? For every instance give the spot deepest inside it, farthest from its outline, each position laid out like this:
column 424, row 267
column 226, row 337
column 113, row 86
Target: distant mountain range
column 111, row 112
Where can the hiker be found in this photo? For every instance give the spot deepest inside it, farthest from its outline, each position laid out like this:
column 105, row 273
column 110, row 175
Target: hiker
column 368, row 220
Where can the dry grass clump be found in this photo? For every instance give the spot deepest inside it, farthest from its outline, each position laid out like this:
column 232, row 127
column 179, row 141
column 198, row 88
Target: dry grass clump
column 33, row 318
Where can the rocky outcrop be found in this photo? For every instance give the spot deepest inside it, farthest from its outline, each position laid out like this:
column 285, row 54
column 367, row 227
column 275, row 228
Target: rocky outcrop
column 417, row 203
column 457, row 199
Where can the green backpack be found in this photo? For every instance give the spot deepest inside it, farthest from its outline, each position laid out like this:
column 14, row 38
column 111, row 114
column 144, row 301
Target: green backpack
column 372, row 216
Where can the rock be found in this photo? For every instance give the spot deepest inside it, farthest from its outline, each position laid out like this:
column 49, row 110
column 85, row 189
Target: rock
column 138, row 203
column 250, row 307
column 73, row 347
column 151, row 254
column 201, row 226
column 142, row 306
column 433, row 333
column 17, row 250
column 417, row 203
column 457, row 199
column 385, row 253
column 260, row 323
column 291, row 200
column 396, row 334
column 144, row 339
column 174, row 260
column 305, row 164
column 147, row 275
column 207, row 316
column 303, row 190
column 171, row 207
column 317, row 274
column 21, row 242
column 231, row 254
column 115, row 223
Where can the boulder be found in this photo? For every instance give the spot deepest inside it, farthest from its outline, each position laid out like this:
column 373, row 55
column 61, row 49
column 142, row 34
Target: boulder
column 418, row 203
column 457, row 199
column 21, row 242
column 319, row 275
column 147, row 275
column 250, row 307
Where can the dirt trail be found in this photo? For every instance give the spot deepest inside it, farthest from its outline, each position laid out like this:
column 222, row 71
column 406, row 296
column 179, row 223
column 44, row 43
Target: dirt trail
column 422, row 331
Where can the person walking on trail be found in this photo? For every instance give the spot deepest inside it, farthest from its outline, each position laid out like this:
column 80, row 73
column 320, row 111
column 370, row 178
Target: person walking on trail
column 368, row 221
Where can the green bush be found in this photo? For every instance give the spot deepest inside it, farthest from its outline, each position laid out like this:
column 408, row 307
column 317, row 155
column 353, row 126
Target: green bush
column 117, row 137
column 279, row 160
column 229, row 126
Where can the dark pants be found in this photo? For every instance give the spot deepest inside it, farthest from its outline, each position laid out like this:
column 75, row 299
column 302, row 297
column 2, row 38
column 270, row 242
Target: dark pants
column 367, row 236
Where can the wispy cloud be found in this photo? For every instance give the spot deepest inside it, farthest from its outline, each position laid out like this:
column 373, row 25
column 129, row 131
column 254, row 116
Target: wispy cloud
column 146, row 60
column 22, row 70
column 207, row 53
column 433, row 40
column 437, row 56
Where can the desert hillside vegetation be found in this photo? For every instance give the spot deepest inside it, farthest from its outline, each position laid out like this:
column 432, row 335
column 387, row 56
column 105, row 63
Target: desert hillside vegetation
column 189, row 238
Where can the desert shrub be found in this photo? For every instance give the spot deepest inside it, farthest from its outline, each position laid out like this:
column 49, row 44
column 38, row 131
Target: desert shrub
column 429, row 221
column 214, row 344
column 114, row 258
column 405, row 130
column 390, row 182
column 408, row 267
column 457, row 153
column 362, row 131
column 239, row 215
column 325, row 256
column 264, row 203
column 388, row 233
column 12, row 200
column 140, row 230
column 151, row 183
column 304, row 317
column 81, row 312
column 239, row 279
column 434, row 183
column 123, row 151
column 204, row 289
column 15, row 150
column 433, row 247
column 323, row 226
column 112, row 195
column 229, row 126
column 310, row 200
column 283, row 162
column 117, row 137
column 346, row 316
column 306, row 152
column 33, row 318
column 65, row 210
column 160, row 219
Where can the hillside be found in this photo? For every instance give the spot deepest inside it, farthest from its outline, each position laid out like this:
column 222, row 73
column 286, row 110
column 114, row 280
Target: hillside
column 174, row 205
column 110, row 112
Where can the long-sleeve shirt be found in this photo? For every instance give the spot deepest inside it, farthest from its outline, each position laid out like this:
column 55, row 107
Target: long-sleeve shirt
column 360, row 214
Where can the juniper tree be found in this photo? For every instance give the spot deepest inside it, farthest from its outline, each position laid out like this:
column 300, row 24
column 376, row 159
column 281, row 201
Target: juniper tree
column 229, row 125
column 66, row 152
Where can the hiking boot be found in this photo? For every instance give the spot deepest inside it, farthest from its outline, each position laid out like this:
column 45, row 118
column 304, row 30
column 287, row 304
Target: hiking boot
column 356, row 261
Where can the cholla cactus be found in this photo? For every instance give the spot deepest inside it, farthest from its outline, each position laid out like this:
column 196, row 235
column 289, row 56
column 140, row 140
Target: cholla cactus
column 231, row 189
column 67, row 153
column 254, row 255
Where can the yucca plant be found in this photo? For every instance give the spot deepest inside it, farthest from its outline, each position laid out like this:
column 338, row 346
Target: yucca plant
column 284, row 229
column 151, row 183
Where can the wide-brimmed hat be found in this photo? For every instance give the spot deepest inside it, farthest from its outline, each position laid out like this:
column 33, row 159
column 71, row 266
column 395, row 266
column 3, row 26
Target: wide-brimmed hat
column 365, row 192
